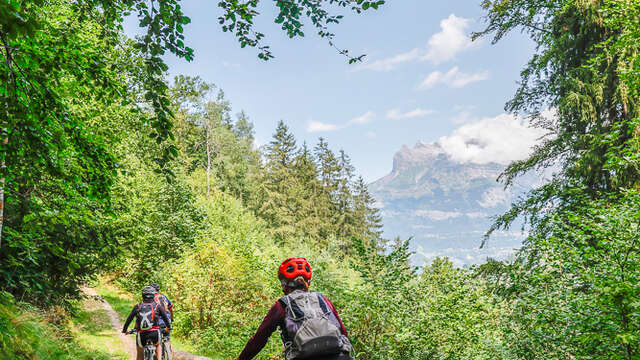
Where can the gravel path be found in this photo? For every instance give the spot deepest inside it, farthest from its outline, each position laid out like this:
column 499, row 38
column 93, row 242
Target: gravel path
column 128, row 340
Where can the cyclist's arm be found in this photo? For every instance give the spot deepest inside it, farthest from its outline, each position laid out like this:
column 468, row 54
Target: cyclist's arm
column 335, row 312
column 170, row 306
column 163, row 314
column 274, row 317
column 130, row 318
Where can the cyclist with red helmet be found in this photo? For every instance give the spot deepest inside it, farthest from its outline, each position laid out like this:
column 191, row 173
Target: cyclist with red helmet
column 309, row 323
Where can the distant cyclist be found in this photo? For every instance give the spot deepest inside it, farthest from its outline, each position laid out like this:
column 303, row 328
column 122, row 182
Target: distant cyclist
column 147, row 314
column 165, row 303
column 309, row 324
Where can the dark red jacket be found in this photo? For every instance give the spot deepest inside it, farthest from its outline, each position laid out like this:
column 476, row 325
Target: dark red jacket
column 273, row 320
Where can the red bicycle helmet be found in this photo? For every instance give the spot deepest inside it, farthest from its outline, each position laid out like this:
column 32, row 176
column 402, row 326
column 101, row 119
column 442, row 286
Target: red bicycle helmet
column 293, row 267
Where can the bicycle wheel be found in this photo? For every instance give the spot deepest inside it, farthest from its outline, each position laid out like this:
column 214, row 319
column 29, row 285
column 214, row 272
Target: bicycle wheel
column 150, row 352
column 166, row 351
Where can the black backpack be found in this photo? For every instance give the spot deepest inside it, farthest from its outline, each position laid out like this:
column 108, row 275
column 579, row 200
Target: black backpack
column 147, row 315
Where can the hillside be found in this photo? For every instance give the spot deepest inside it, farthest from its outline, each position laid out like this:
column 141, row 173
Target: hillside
column 446, row 205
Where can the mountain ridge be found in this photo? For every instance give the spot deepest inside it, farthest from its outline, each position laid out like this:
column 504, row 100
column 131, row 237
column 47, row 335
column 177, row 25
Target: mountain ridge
column 445, row 204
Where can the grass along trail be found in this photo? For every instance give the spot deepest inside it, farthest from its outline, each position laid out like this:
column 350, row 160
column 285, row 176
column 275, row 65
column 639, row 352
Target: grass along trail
column 128, row 341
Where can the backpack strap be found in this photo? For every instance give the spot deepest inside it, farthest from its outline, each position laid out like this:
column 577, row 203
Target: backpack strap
column 153, row 309
column 323, row 304
column 293, row 307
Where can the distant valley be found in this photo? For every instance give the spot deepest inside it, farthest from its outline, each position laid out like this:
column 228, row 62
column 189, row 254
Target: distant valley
column 446, row 205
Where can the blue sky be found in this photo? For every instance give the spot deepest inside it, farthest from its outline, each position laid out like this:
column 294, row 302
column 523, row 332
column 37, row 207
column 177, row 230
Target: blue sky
column 422, row 81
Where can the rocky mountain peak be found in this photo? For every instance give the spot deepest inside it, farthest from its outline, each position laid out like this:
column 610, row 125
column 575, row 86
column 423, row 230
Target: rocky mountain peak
column 421, row 153
column 445, row 204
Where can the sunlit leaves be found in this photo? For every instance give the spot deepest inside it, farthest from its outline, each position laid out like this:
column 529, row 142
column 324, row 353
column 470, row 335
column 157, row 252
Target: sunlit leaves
column 292, row 14
column 575, row 286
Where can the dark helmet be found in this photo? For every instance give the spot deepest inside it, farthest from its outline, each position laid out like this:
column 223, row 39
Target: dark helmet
column 156, row 286
column 148, row 292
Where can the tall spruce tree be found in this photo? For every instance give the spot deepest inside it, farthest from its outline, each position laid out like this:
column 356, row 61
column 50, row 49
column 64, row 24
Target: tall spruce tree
column 345, row 220
column 275, row 202
column 308, row 195
column 329, row 172
column 367, row 216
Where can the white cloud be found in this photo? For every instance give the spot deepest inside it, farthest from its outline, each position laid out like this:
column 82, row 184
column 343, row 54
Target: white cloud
column 465, row 256
column 502, row 139
column 463, row 117
column 362, row 119
column 231, row 65
column 494, row 197
column 391, row 62
column 316, row 126
column 370, row 134
column 453, row 78
column 437, row 215
column 442, row 46
column 451, row 40
column 418, row 112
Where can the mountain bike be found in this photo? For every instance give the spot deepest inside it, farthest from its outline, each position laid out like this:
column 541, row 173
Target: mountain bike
column 149, row 348
column 166, row 345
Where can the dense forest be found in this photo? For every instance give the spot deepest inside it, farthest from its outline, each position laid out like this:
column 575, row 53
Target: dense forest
column 111, row 167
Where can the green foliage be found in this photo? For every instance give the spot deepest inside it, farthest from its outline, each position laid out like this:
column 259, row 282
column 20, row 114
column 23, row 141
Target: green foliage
column 223, row 287
column 442, row 313
column 58, row 169
column 239, row 17
column 312, row 195
column 217, row 251
column 459, row 318
column 572, row 290
column 155, row 222
column 63, row 67
column 575, row 288
column 574, row 88
column 210, row 141
column 25, row 335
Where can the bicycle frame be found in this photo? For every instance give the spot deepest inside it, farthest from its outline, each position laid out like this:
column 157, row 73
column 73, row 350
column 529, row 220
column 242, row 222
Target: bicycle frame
column 150, row 349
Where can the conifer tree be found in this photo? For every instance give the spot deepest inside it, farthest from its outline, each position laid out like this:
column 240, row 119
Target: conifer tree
column 243, row 128
column 308, row 195
column 344, row 198
column 281, row 150
column 367, row 216
column 274, row 201
column 329, row 173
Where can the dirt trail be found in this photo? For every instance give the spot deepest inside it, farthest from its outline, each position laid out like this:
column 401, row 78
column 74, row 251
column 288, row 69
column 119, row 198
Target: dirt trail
column 128, row 340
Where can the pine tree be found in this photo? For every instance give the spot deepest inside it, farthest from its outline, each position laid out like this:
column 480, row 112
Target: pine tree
column 345, row 220
column 274, row 201
column 243, row 128
column 366, row 213
column 281, row 151
column 329, row 173
column 308, row 194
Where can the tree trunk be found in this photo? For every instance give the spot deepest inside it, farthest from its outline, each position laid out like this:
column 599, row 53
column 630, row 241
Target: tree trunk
column 208, row 159
column 3, row 166
column 5, row 136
